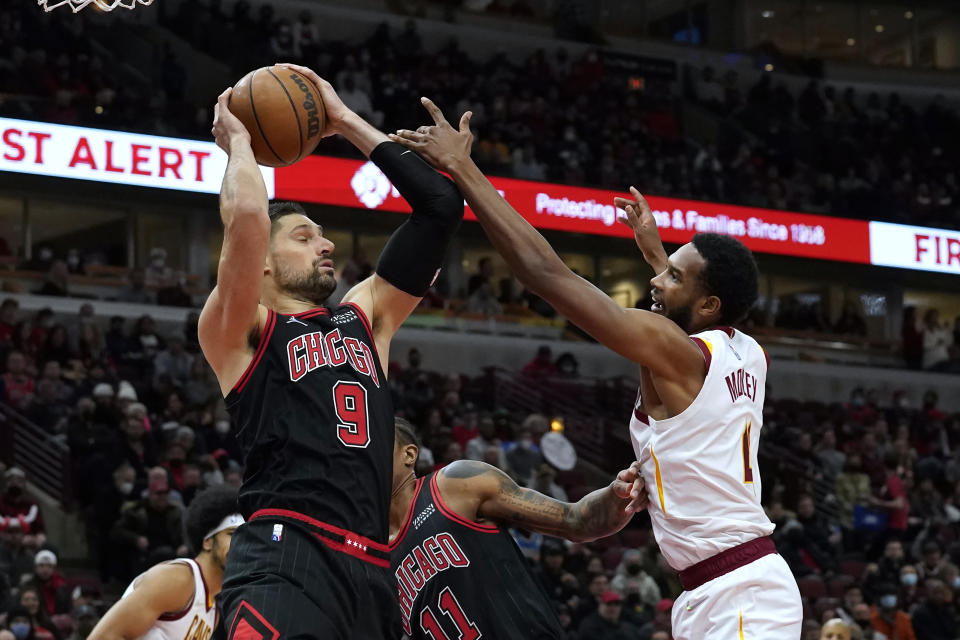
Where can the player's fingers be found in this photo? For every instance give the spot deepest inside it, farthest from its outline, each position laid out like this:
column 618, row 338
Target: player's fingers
column 406, row 134
column 465, row 122
column 407, row 142
column 621, row 489
column 641, row 201
column 433, row 110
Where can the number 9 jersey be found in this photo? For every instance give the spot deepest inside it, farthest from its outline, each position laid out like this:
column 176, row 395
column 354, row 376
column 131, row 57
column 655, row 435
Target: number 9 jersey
column 314, row 417
column 700, row 466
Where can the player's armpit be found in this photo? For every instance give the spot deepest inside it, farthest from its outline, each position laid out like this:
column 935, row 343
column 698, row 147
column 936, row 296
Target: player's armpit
column 641, row 336
column 386, row 307
column 166, row 588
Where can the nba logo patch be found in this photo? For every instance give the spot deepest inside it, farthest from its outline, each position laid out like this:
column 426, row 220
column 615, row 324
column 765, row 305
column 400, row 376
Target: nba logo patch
column 277, row 532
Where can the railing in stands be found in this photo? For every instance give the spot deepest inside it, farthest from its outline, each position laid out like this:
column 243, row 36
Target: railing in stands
column 780, row 462
column 589, row 407
column 45, row 459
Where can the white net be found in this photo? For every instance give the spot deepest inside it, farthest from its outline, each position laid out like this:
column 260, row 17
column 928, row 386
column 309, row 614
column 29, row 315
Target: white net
column 104, row 5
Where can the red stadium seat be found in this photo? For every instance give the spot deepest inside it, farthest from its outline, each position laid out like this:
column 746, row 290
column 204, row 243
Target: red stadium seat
column 612, row 557
column 635, row 538
column 838, row 584
column 853, row 568
column 822, row 604
column 812, row 587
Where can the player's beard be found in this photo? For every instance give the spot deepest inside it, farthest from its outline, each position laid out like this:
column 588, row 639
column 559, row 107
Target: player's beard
column 681, row 316
column 311, row 286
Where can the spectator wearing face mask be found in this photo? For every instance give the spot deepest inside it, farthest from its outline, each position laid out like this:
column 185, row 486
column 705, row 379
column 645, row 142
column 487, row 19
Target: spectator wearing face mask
column 888, row 618
column 106, row 511
column 908, row 586
column 85, row 618
column 20, row 624
column 524, row 457
column 631, row 578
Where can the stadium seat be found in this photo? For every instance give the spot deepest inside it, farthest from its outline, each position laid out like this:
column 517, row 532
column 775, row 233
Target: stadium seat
column 612, row 557
column 853, row 568
column 812, row 587
column 635, row 538
column 822, row 604
column 838, row 584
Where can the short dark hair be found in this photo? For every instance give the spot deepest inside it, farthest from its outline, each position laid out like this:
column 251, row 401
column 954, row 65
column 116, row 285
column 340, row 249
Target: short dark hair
column 405, row 432
column 278, row 210
column 730, row 273
column 208, row 509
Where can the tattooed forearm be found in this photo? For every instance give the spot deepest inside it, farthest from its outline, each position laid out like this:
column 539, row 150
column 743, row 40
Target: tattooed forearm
column 601, row 513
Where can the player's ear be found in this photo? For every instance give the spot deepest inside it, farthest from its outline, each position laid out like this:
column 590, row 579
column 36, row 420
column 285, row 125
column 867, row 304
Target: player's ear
column 207, row 544
column 410, row 454
column 711, row 306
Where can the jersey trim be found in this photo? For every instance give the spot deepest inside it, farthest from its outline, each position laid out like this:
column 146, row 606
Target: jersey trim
column 334, row 537
column 366, row 324
column 207, row 600
column 309, row 313
column 261, row 348
column 706, row 349
column 406, row 525
column 452, row 515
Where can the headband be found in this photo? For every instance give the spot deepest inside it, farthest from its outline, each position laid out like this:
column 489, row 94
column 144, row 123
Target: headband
column 231, row 521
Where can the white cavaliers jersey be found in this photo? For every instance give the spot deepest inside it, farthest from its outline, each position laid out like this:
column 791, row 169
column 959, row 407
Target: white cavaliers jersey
column 196, row 622
column 700, row 467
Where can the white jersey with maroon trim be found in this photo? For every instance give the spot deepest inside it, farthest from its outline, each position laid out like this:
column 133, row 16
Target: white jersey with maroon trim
column 196, row 622
column 700, row 466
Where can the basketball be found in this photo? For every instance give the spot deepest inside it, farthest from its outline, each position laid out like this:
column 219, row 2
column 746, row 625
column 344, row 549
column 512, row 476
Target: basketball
column 283, row 113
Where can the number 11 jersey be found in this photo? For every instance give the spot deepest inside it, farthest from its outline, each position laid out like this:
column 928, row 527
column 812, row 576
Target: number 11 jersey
column 314, row 417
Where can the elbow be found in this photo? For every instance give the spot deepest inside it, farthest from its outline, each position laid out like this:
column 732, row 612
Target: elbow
column 448, row 203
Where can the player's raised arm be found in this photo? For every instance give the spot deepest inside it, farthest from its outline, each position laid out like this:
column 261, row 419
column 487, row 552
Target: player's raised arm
column 164, row 589
column 232, row 311
column 483, row 492
column 643, row 337
column 415, row 252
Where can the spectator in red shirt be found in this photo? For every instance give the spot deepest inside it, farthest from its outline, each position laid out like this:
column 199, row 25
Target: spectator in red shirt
column 542, row 365
column 19, row 385
column 892, row 496
column 888, row 618
column 50, row 583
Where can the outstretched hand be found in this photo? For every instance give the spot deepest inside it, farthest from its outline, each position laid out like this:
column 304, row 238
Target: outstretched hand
column 640, row 218
column 441, row 145
column 630, row 484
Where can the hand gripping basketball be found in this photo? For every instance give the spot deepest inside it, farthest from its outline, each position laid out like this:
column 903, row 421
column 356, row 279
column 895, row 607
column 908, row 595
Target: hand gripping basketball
column 227, row 128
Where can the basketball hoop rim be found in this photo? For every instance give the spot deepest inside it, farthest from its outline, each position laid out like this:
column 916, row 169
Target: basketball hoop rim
column 103, row 5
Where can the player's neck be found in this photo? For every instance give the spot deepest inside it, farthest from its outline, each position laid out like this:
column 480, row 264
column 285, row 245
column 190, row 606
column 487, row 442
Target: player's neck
column 285, row 304
column 212, row 573
column 400, row 506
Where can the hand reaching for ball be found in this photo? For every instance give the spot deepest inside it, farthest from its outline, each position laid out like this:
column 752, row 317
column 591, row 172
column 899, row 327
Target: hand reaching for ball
column 336, row 110
column 227, row 128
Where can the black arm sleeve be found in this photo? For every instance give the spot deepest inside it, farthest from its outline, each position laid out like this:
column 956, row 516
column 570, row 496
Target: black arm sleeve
column 415, row 251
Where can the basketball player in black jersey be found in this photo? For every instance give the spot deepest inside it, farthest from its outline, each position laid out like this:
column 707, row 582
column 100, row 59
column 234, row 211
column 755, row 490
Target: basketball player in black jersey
column 459, row 574
column 306, row 387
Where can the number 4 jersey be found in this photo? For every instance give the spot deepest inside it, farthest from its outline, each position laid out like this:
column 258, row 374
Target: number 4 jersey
column 460, row 580
column 314, row 417
column 700, row 466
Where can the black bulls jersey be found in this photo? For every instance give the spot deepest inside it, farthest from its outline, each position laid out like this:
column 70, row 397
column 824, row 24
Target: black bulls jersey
column 315, row 421
column 459, row 580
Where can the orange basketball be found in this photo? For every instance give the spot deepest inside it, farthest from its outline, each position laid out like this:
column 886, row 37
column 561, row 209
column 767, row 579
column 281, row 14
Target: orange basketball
column 283, row 113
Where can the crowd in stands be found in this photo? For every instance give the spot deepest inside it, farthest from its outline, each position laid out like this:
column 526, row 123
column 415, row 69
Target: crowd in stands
column 553, row 116
column 865, row 495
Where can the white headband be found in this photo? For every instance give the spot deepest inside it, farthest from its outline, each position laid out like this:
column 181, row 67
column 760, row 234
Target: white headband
column 231, row 521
